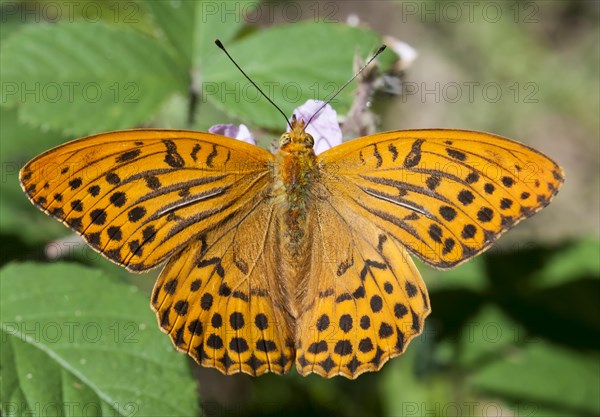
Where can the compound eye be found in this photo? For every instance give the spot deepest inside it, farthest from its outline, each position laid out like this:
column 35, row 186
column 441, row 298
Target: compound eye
column 284, row 139
column 310, row 140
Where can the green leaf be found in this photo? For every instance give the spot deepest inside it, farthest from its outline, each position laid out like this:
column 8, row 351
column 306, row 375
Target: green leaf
column 292, row 64
column 81, row 78
column 173, row 115
column 214, row 20
column 471, row 275
column 176, row 20
column 577, row 260
column 570, row 305
column 10, row 24
column 405, row 393
column 491, row 335
column 545, row 377
column 19, row 217
column 192, row 26
column 20, row 142
column 74, row 337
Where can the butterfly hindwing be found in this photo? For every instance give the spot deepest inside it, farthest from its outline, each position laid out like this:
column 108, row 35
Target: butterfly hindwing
column 447, row 195
column 220, row 299
column 139, row 196
column 367, row 299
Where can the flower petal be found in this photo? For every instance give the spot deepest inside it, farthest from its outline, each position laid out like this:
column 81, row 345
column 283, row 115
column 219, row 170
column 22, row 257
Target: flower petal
column 240, row 132
column 406, row 52
column 324, row 128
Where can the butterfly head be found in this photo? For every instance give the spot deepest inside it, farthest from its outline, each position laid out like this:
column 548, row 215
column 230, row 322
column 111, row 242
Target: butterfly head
column 296, row 135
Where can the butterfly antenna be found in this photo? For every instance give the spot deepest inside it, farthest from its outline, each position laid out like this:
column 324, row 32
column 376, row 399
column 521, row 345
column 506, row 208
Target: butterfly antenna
column 220, row 45
column 380, row 50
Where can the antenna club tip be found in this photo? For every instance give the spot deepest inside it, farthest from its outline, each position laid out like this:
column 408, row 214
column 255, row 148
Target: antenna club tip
column 219, row 44
column 381, row 48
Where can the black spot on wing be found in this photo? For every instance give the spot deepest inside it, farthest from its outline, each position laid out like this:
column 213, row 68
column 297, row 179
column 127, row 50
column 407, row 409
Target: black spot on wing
column 435, row 232
column 371, row 264
column 508, row 182
column 485, row 214
column 173, row 159
column 224, row 290
column 489, row 188
column 114, row 233
column 94, row 190
column 447, row 212
column 393, row 151
column 74, row 183
column 76, row 205
column 327, row 293
column 458, row 155
column 216, row 261
column 432, row 182
column 472, row 178
column 211, row 156
column 449, row 244
column 136, row 213
column 557, row 175
column 118, row 199
column 112, row 178
column 152, row 182
column 414, row 156
column 240, row 295
column 377, row 156
column 381, row 240
column 468, row 231
column 195, row 150
column 241, row 265
column 149, row 234
column 466, row 197
column 98, row 216
column 359, row 292
column 343, row 297
column 344, row 266
column 128, row 156
column 505, row 203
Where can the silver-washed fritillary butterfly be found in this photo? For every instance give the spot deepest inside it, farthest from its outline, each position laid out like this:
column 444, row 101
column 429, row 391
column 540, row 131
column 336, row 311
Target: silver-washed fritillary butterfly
column 292, row 257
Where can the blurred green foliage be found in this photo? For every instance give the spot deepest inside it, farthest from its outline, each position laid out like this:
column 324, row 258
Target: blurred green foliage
column 513, row 332
column 72, row 335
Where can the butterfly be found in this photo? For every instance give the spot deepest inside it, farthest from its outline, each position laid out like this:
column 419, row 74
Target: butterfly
column 276, row 259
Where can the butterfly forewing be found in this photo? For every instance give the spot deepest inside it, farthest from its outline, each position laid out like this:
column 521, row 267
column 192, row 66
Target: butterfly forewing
column 447, row 195
column 140, row 196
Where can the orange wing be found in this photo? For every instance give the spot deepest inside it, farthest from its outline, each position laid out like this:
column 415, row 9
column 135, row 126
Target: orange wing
column 142, row 196
column 139, row 196
column 447, row 195
column 365, row 299
column 221, row 298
